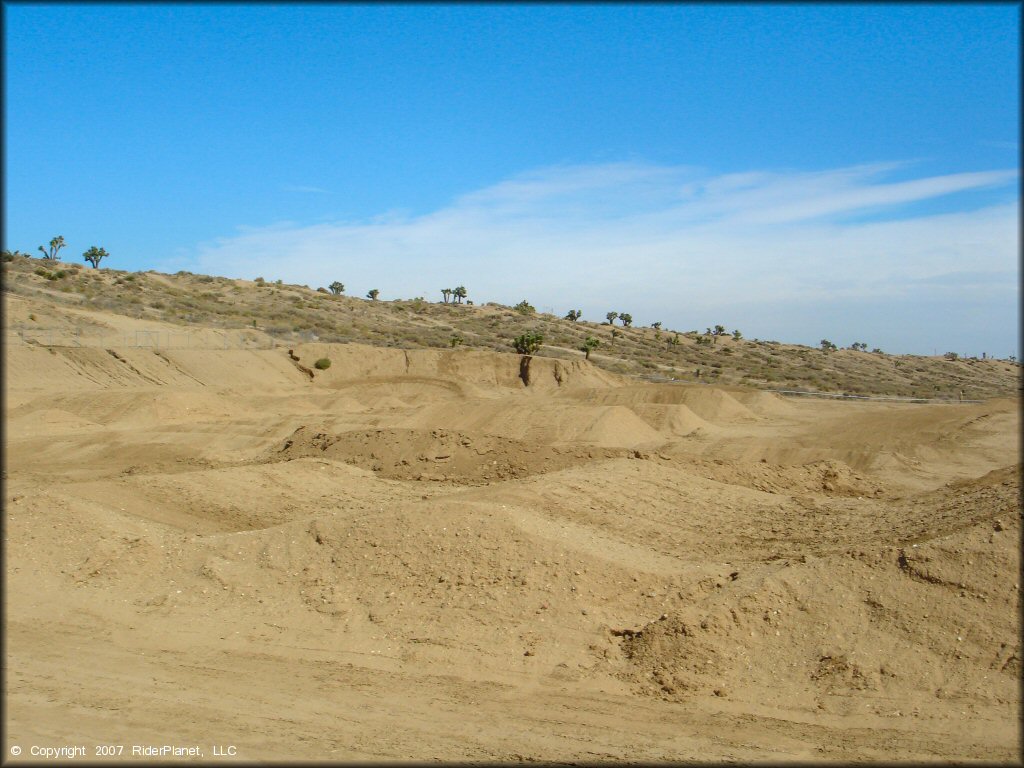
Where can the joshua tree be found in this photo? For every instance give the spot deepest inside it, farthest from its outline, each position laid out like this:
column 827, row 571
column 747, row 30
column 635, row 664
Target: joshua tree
column 588, row 345
column 446, row 292
column 674, row 341
column 372, row 295
column 573, row 315
column 626, row 318
column 737, row 335
column 55, row 245
column 615, row 333
column 337, row 288
column 524, row 308
column 827, row 345
column 656, row 326
column 94, row 256
column 719, row 330
column 456, row 340
column 611, row 317
column 459, row 293
column 528, row 343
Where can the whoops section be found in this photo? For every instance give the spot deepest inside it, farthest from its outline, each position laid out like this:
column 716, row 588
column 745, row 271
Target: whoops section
column 418, row 554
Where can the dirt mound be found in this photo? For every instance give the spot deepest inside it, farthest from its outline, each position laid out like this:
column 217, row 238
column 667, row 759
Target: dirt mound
column 712, row 404
column 910, row 624
column 764, row 403
column 672, row 420
column 437, row 454
column 616, row 425
column 716, row 405
column 904, row 629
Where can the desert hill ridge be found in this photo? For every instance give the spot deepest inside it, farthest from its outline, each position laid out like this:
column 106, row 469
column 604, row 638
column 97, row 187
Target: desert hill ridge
column 199, row 310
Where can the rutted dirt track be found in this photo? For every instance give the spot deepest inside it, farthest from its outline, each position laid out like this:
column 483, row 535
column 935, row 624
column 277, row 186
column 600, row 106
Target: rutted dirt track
column 417, row 556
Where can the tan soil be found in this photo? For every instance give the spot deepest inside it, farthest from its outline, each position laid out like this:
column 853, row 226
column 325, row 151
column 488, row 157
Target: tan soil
column 415, row 556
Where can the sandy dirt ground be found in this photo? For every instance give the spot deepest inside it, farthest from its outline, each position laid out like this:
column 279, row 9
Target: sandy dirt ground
column 414, row 555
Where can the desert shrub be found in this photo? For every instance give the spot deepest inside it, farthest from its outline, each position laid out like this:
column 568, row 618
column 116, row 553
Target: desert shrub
column 528, row 343
column 322, row 364
column 524, row 308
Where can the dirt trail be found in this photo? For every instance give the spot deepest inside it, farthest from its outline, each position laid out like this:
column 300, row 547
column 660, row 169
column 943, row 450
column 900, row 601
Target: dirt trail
column 418, row 555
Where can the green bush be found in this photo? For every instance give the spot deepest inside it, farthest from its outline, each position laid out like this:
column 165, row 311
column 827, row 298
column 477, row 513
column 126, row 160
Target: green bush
column 322, row 364
column 528, row 343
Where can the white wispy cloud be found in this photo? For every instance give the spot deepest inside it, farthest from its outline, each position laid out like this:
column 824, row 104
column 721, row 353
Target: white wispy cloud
column 674, row 244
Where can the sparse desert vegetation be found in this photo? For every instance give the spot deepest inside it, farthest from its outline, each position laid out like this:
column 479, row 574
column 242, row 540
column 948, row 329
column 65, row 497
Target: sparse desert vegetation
column 293, row 313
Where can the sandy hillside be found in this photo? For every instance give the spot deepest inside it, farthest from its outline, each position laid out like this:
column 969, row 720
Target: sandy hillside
column 53, row 302
column 419, row 555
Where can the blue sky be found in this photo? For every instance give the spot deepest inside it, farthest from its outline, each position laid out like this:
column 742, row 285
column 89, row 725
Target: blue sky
column 796, row 171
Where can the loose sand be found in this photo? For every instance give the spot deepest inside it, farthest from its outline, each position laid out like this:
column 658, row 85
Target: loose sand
column 416, row 556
